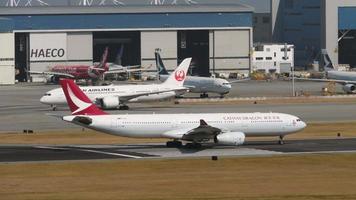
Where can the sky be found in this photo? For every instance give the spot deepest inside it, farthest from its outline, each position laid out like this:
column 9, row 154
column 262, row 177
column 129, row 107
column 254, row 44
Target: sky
column 259, row 5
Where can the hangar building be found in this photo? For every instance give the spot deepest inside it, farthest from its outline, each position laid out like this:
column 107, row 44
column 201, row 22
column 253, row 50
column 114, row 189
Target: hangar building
column 312, row 25
column 217, row 34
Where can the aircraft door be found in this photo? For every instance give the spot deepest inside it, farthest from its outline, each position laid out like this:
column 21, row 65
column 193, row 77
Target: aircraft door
column 117, row 123
column 174, row 124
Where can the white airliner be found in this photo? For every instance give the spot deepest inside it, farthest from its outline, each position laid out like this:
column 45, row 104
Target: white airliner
column 346, row 78
column 197, row 84
column 116, row 96
column 221, row 128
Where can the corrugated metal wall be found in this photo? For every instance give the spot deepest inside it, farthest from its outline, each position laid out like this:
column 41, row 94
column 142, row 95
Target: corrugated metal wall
column 7, row 58
column 164, row 40
column 231, row 50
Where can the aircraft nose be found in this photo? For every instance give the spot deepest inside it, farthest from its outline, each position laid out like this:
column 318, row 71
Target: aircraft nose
column 303, row 124
column 43, row 100
column 227, row 87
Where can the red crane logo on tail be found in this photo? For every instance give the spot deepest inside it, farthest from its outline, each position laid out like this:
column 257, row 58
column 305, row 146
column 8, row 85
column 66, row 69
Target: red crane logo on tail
column 179, row 75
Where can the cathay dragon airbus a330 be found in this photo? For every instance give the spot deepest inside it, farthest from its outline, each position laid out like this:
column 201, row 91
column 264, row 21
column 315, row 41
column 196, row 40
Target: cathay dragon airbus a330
column 220, row 128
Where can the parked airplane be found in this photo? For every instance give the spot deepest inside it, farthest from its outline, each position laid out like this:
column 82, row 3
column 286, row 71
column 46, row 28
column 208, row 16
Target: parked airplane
column 222, row 128
column 346, row 78
column 77, row 71
column 117, row 68
column 94, row 73
column 116, row 96
column 196, row 84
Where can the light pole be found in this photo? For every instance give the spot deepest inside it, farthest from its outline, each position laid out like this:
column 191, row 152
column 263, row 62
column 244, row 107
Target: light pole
column 293, row 83
column 292, row 66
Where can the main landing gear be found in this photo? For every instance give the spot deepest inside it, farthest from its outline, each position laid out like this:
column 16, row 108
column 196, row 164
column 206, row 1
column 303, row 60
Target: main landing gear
column 281, row 141
column 179, row 144
column 204, row 95
column 193, row 145
column 123, row 107
column 174, row 144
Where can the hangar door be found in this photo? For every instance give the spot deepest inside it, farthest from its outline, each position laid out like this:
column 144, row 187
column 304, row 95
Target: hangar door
column 47, row 50
column 347, row 47
column 7, row 58
column 124, row 47
column 164, row 40
column 230, row 51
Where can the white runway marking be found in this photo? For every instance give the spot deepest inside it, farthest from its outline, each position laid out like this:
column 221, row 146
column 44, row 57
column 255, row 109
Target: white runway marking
column 174, row 153
column 52, row 148
column 108, row 153
column 88, row 150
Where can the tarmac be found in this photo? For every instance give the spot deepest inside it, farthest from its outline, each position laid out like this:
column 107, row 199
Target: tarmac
column 20, row 109
column 35, row 153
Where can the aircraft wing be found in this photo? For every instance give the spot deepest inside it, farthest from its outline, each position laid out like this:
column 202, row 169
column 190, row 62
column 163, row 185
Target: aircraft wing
column 52, row 73
column 125, row 98
column 240, row 80
column 119, row 71
column 133, row 68
column 327, row 80
column 190, row 86
column 203, row 132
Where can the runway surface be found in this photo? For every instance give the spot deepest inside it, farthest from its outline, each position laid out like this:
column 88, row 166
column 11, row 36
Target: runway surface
column 34, row 153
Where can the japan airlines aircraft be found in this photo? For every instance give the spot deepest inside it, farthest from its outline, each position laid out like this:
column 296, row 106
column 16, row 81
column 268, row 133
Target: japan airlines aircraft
column 197, row 84
column 346, row 78
column 221, row 128
column 116, row 96
column 77, row 71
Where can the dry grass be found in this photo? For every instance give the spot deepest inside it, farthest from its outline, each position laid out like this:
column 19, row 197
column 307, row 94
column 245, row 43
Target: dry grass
column 77, row 136
column 327, row 130
column 311, row 177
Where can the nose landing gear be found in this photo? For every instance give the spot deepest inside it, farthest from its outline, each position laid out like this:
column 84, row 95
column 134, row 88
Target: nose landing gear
column 54, row 107
column 281, row 141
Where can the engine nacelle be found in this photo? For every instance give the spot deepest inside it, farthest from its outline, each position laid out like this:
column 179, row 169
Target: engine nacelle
column 53, row 79
column 110, row 102
column 349, row 88
column 230, row 138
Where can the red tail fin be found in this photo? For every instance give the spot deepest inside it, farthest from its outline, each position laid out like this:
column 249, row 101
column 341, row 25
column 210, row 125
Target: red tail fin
column 77, row 101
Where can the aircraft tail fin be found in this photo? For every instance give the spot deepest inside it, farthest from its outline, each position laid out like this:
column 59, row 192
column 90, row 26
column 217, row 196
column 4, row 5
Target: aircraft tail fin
column 104, row 59
column 78, row 102
column 180, row 74
column 326, row 61
column 118, row 59
column 159, row 63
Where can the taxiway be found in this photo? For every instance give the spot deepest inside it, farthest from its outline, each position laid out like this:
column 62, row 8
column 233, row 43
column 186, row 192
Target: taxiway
column 34, row 153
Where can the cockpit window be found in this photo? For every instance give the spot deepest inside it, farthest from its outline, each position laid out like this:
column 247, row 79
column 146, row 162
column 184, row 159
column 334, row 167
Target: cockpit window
column 47, row 94
column 226, row 83
column 299, row 120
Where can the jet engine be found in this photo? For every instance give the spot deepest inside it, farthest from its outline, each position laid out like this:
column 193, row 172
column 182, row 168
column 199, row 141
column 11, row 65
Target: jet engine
column 53, row 79
column 349, row 88
column 230, row 138
column 110, row 102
